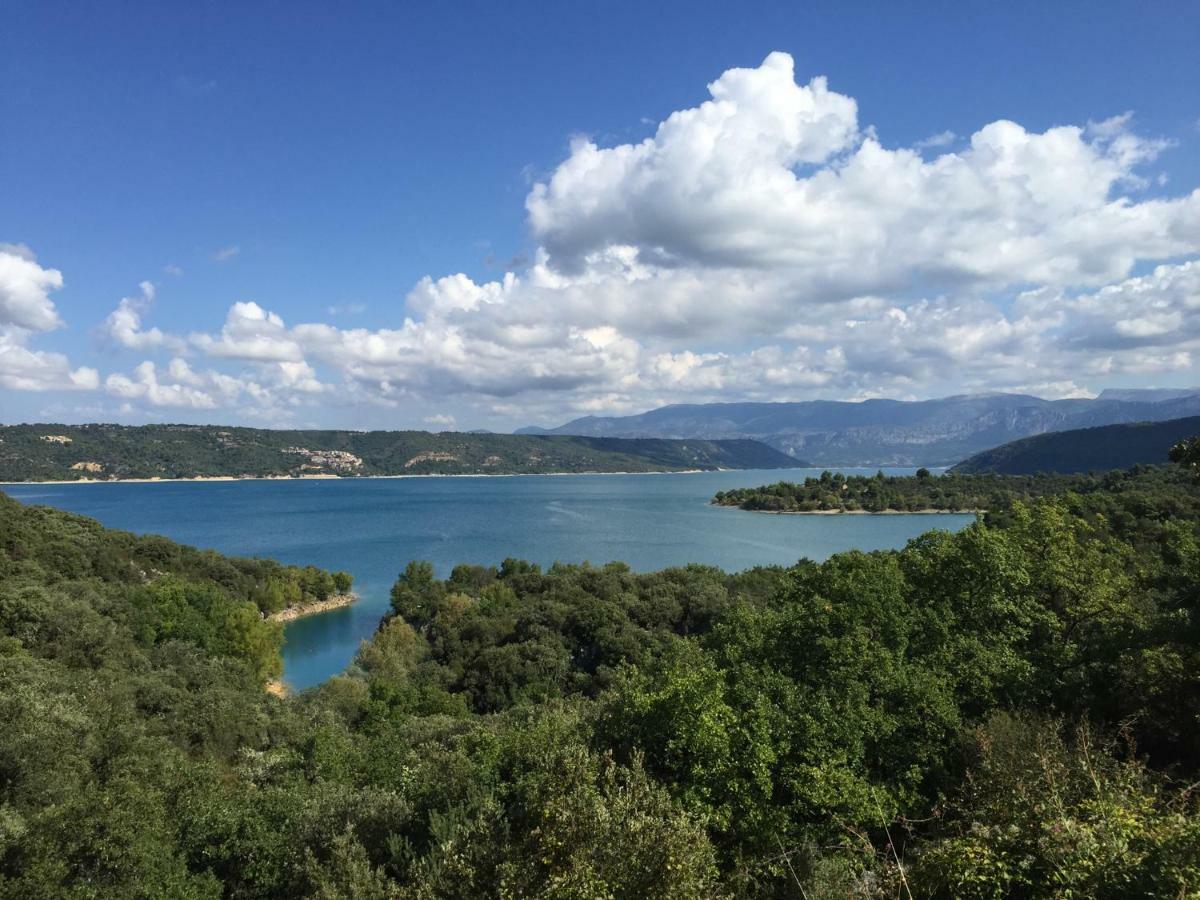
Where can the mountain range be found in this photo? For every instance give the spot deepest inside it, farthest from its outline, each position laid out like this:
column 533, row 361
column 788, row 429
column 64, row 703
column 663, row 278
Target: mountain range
column 889, row 432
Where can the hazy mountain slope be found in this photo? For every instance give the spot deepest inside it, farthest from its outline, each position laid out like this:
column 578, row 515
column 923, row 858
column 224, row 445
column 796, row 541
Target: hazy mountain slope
column 56, row 452
column 1085, row 449
column 883, row 432
column 1150, row 395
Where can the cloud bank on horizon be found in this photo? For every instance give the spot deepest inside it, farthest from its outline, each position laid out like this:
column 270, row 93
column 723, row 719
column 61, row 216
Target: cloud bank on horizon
column 763, row 245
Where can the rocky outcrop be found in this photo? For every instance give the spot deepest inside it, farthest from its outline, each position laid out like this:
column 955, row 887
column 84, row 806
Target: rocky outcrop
column 339, row 460
column 313, row 608
column 430, row 456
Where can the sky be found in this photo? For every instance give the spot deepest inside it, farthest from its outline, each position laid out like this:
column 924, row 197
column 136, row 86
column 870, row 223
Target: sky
column 483, row 215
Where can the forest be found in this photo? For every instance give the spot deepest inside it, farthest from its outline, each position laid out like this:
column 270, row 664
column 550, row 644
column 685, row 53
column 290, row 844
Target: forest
column 833, row 492
column 1095, row 449
column 1006, row 711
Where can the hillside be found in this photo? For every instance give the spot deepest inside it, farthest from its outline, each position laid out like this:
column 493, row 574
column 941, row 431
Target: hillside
column 108, row 452
column 1011, row 708
column 1084, row 449
column 963, row 493
column 888, row 432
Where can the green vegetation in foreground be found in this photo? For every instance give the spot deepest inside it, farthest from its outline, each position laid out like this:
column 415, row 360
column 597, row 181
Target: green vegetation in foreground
column 1083, row 449
column 833, row 492
column 160, row 590
column 73, row 452
column 1008, row 711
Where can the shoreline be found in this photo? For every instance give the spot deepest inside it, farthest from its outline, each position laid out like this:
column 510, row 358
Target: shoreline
column 227, row 478
column 330, row 477
column 313, row 608
column 864, row 512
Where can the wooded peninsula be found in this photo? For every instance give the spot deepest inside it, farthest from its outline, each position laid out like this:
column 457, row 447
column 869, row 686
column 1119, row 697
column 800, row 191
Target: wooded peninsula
column 833, row 492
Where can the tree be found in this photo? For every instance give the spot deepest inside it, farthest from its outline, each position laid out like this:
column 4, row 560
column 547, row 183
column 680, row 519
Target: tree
column 1187, row 454
column 1054, row 814
column 416, row 593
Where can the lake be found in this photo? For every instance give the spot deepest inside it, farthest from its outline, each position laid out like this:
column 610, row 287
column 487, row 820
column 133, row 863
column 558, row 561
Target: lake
column 373, row 527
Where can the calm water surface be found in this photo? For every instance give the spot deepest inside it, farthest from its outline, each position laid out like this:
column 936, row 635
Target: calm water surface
column 373, row 527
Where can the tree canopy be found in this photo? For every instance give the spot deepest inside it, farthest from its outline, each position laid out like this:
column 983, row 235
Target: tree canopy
column 1006, row 711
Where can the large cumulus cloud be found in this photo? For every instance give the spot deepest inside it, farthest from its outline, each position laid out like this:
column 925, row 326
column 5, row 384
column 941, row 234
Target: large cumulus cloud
column 763, row 244
column 26, row 308
column 772, row 175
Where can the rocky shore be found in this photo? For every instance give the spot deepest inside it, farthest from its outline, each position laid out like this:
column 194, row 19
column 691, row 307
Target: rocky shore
column 300, row 610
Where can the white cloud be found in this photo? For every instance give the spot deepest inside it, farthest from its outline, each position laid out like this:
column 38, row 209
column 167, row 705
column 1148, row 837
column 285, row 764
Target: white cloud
column 1145, row 324
column 145, row 385
column 1055, row 390
column 23, row 369
column 762, row 245
column 502, row 346
column 26, row 308
column 179, row 385
column 25, row 290
column 225, row 254
column 941, row 139
column 295, row 376
column 251, row 333
column 123, row 326
column 772, row 176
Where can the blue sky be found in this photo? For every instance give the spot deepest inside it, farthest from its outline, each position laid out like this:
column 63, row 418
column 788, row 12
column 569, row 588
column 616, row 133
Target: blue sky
column 319, row 161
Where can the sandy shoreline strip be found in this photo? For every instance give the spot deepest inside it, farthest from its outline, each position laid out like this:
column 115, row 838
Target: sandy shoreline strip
column 199, row 478
column 316, row 607
column 858, row 512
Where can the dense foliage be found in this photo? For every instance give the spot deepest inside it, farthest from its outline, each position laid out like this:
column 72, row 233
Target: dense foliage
column 1187, row 454
column 1011, row 710
column 71, row 452
column 1084, row 449
column 834, row 492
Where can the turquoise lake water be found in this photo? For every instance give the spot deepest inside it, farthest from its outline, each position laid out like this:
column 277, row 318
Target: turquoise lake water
column 373, row 527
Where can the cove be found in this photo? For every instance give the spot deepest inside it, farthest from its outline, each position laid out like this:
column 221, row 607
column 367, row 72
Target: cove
column 372, row 527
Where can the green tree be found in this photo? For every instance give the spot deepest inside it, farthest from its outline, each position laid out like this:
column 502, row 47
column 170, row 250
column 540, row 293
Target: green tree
column 1187, row 454
column 1052, row 815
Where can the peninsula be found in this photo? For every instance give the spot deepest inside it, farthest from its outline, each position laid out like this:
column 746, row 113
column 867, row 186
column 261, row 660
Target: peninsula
column 833, row 493
column 313, row 607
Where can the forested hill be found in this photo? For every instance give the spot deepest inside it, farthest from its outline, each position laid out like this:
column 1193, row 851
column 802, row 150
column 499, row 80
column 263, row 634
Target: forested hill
column 1084, row 449
column 72, row 452
column 159, row 590
column 1007, row 711
column 833, row 492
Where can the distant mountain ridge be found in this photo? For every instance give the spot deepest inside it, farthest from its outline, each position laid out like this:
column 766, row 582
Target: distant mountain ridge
column 887, row 432
column 1150, row 395
column 116, row 452
column 1099, row 449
